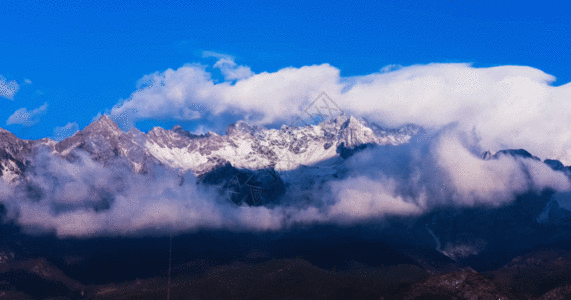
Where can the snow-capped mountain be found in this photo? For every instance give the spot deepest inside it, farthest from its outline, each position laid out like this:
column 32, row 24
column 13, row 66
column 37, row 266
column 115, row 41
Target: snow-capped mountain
column 251, row 155
column 243, row 146
column 251, row 147
column 106, row 142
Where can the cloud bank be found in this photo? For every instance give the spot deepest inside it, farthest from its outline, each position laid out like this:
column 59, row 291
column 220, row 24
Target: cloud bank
column 81, row 197
column 227, row 65
column 505, row 106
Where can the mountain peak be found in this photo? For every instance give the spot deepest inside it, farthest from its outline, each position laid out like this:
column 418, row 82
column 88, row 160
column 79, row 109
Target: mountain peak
column 515, row 153
column 240, row 126
column 178, row 129
column 104, row 118
column 211, row 133
column 103, row 124
column 134, row 130
column 340, row 119
column 350, row 122
column 343, row 121
column 487, row 155
column 7, row 136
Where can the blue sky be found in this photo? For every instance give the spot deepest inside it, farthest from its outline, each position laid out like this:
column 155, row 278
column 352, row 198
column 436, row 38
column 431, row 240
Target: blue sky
column 73, row 60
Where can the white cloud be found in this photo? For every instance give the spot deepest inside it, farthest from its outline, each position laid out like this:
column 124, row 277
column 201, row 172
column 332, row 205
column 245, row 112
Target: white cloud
column 174, row 93
column 218, row 55
column 27, row 81
column 506, row 106
column 458, row 250
column 167, row 95
column 365, row 198
column 27, row 118
column 8, row 88
column 493, row 182
column 61, row 133
column 390, row 68
column 228, row 66
column 436, row 169
column 231, row 71
column 138, row 203
column 200, row 130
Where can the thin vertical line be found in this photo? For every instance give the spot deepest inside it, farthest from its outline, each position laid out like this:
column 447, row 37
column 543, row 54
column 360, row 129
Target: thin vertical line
column 169, row 280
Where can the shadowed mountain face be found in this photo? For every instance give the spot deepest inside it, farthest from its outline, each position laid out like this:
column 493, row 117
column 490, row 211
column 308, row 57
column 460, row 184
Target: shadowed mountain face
column 252, row 187
column 534, row 276
column 346, row 152
column 560, row 293
column 536, row 273
column 37, row 278
column 484, row 237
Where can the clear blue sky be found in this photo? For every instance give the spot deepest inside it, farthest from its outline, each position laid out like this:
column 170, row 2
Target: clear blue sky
column 82, row 57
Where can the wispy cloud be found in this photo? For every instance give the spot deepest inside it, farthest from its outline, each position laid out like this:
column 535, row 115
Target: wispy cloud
column 8, row 88
column 61, row 133
column 27, row 118
column 206, row 54
column 229, row 68
column 390, row 68
column 227, row 65
column 96, row 117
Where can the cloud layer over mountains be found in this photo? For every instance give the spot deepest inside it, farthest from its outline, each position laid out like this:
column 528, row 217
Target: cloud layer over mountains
column 464, row 111
column 83, row 198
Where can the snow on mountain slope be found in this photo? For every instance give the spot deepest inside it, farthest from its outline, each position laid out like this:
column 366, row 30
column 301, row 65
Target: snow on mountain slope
column 252, row 147
column 9, row 170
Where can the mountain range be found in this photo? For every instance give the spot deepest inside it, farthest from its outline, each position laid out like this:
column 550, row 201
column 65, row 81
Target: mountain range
column 255, row 166
column 251, row 164
column 243, row 146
